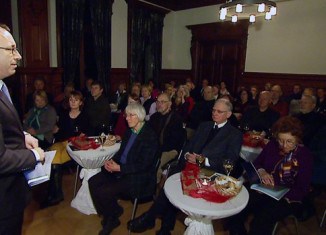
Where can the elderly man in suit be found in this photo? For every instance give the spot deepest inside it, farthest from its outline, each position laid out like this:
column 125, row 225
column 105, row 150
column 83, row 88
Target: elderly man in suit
column 216, row 140
column 18, row 152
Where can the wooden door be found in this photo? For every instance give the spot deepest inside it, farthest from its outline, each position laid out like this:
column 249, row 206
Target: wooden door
column 218, row 52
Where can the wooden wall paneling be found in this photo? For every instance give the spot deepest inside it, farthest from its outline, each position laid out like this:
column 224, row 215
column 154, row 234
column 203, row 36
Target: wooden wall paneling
column 286, row 81
column 5, row 14
column 177, row 75
column 34, row 33
column 26, row 76
column 218, row 52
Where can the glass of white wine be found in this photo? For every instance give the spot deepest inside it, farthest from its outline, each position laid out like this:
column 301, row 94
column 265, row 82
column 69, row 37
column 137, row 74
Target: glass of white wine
column 102, row 139
column 200, row 160
column 228, row 166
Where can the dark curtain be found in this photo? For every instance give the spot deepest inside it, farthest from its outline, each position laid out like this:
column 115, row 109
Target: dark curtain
column 146, row 45
column 72, row 25
column 101, row 12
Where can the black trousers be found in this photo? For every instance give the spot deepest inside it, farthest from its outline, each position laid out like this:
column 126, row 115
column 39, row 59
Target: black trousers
column 12, row 225
column 105, row 189
column 266, row 210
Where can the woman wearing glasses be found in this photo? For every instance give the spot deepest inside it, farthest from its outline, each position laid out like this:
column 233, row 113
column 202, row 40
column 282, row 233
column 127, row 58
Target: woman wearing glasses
column 284, row 161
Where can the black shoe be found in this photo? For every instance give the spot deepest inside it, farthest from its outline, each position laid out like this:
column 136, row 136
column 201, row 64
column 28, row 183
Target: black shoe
column 115, row 214
column 142, row 223
column 109, row 226
column 163, row 232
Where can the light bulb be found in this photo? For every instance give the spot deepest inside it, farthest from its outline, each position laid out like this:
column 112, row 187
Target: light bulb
column 268, row 16
column 252, row 18
column 234, row 18
column 273, row 11
column 261, row 7
column 238, row 8
column 223, row 11
column 222, row 17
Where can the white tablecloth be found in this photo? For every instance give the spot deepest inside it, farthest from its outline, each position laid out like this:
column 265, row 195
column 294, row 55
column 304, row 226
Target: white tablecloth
column 201, row 212
column 250, row 153
column 91, row 160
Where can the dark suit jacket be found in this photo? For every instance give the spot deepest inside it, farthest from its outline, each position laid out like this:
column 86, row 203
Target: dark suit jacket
column 141, row 159
column 14, row 158
column 173, row 135
column 226, row 144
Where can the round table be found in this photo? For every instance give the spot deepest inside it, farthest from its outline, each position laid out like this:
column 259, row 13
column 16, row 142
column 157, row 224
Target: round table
column 91, row 160
column 249, row 154
column 201, row 212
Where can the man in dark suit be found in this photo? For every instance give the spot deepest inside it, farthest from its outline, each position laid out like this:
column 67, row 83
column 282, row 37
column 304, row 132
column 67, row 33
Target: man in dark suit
column 216, row 140
column 18, row 152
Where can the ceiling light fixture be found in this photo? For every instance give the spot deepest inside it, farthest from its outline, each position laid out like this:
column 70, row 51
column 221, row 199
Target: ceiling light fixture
column 247, row 9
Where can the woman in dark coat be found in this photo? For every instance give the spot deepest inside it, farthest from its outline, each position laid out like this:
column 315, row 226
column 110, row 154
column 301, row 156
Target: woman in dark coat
column 131, row 172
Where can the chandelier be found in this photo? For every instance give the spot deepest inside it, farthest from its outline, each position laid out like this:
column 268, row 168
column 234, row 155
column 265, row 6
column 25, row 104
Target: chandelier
column 247, row 9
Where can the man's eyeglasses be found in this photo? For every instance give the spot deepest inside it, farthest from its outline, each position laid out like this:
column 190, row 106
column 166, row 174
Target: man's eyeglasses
column 218, row 111
column 161, row 101
column 13, row 49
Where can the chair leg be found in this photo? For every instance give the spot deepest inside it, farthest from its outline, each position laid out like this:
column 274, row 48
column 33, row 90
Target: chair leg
column 133, row 214
column 275, row 228
column 76, row 180
column 322, row 220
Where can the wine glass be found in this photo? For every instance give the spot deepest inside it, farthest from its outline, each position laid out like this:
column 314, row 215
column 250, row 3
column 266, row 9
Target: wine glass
column 228, row 166
column 102, row 139
column 76, row 131
column 200, row 160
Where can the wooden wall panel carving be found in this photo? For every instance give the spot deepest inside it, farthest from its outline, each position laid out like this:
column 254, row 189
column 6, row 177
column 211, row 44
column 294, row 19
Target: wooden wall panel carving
column 34, row 33
column 285, row 80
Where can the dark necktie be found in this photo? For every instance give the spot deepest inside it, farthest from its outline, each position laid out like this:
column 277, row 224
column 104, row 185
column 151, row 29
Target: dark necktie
column 4, row 89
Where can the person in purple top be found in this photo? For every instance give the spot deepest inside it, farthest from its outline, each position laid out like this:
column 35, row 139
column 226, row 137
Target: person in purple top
column 283, row 161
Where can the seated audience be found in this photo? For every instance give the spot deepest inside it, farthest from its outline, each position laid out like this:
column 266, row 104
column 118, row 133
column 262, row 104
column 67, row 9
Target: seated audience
column 71, row 122
column 216, row 91
column 260, row 118
column 216, row 140
column 122, row 125
column 202, row 110
column 147, row 101
column 38, row 85
column 120, row 97
column 204, row 84
column 87, row 89
column 223, row 89
column 254, row 93
column 194, row 91
column 97, row 109
column 268, row 86
column 311, row 120
column 155, row 91
column 41, row 119
column 168, row 126
column 321, row 101
column 294, row 99
column 131, row 172
column 136, row 89
column 243, row 104
column 181, row 104
column 277, row 103
column 285, row 162
column 61, row 101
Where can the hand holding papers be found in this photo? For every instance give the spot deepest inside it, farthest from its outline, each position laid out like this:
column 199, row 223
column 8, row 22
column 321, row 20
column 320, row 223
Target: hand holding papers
column 42, row 172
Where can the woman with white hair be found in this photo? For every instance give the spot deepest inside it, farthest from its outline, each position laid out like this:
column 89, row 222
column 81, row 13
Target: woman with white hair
column 131, row 172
